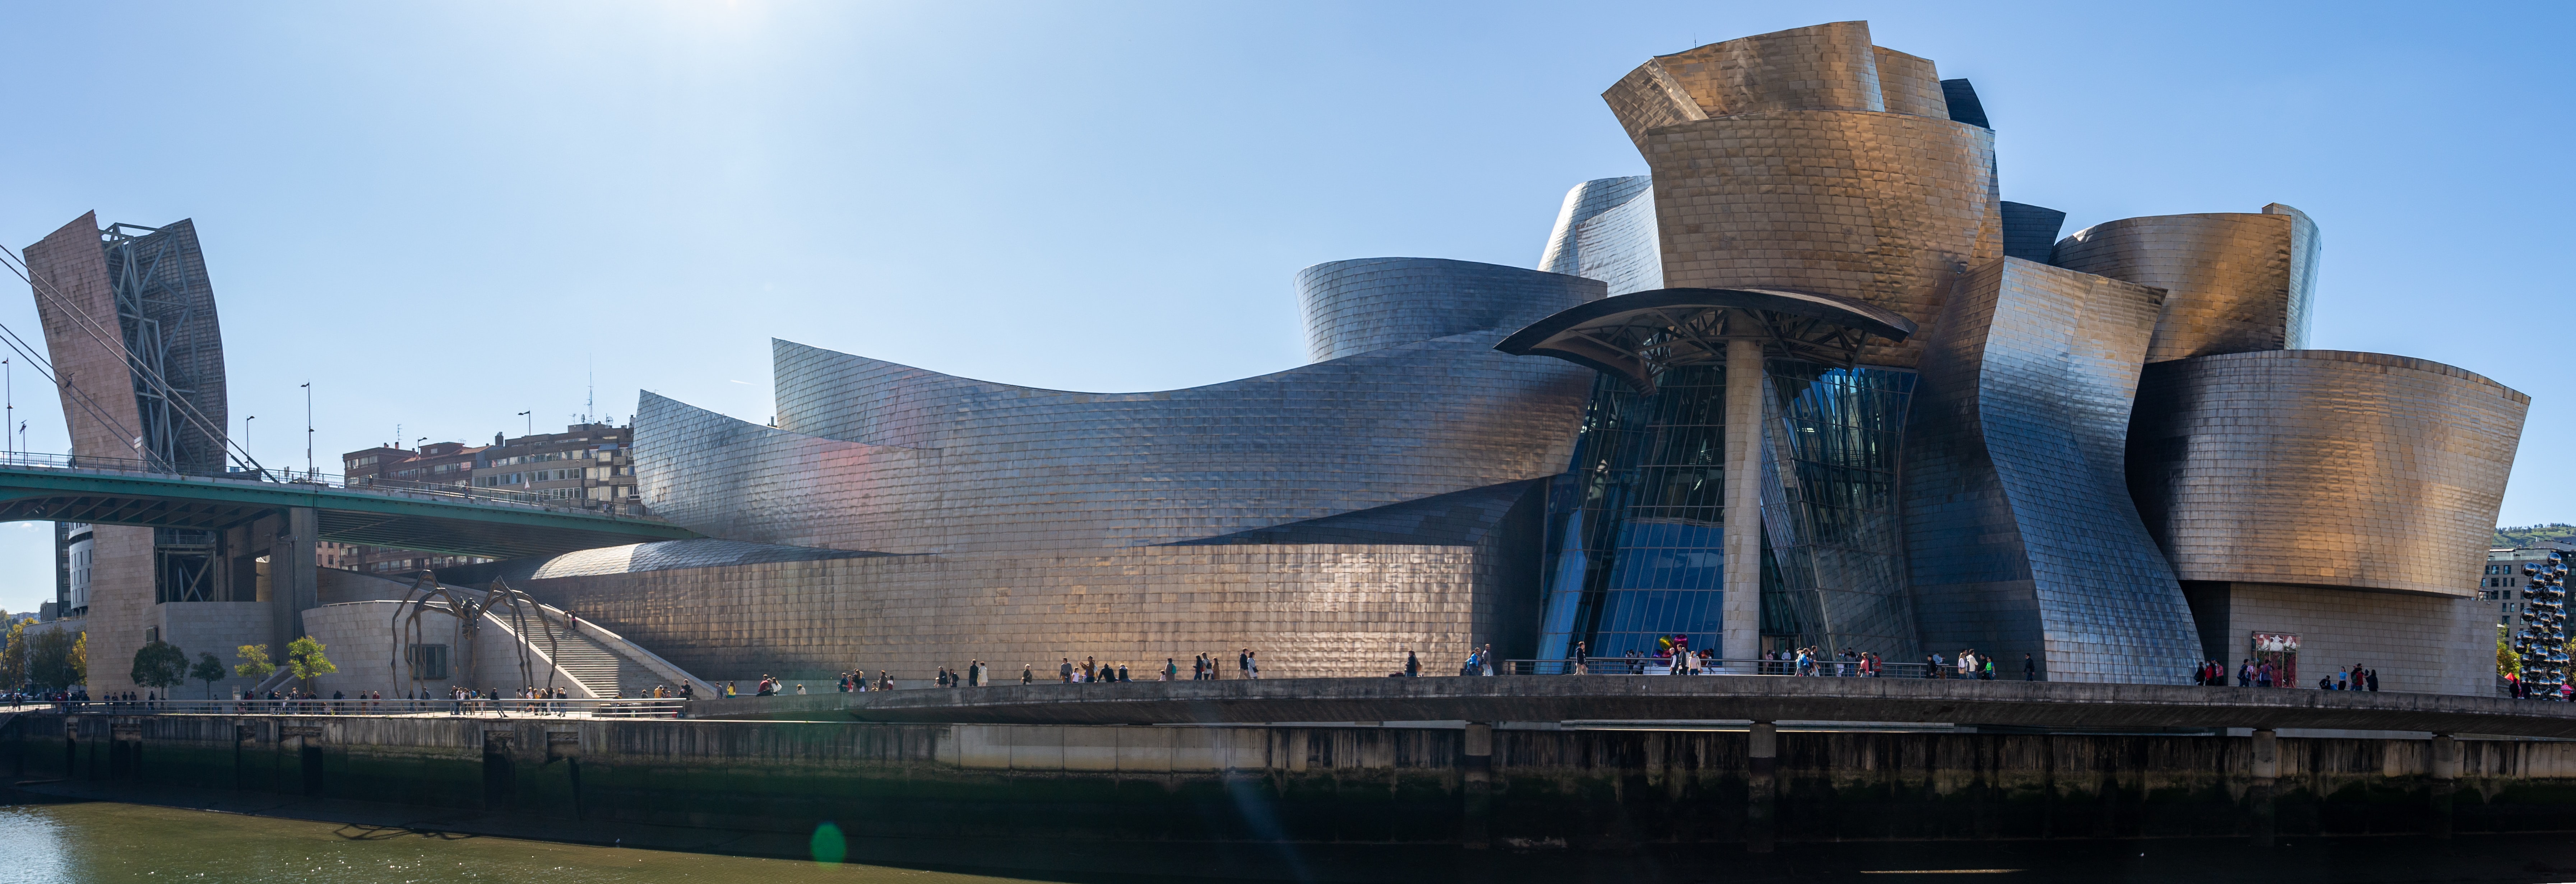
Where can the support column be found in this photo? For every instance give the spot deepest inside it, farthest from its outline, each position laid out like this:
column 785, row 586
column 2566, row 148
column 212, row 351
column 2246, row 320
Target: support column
column 292, row 584
column 1761, row 788
column 2444, row 760
column 1476, row 767
column 2267, row 770
column 1742, row 640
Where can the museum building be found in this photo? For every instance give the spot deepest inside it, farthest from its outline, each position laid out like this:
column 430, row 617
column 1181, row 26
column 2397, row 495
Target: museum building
column 1810, row 382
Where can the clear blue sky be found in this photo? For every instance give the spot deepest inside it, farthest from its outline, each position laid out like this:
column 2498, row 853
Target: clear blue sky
column 443, row 215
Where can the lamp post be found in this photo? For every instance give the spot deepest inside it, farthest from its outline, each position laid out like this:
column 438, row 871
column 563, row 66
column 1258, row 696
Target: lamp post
column 246, row 429
column 308, row 428
column 532, row 422
column 12, row 379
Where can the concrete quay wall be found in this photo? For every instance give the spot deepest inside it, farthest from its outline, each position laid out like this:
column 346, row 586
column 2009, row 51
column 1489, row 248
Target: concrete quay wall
column 1583, row 789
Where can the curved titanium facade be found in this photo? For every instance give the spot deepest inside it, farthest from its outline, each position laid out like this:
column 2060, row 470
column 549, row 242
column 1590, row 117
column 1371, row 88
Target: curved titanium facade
column 2235, row 282
column 2323, row 468
column 1330, row 515
column 930, row 463
column 1781, row 162
column 2019, row 525
column 1606, row 231
column 1879, row 208
column 1367, row 304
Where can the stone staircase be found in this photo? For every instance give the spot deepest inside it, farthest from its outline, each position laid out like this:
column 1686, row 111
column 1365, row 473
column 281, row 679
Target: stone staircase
column 604, row 672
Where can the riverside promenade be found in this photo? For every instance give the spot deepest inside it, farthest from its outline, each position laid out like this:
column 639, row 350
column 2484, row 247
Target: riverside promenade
column 1612, row 698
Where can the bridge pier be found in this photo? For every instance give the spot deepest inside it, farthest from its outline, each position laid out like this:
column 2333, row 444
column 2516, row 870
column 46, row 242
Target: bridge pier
column 2267, row 769
column 1476, row 765
column 292, row 584
column 1761, row 789
column 2443, row 761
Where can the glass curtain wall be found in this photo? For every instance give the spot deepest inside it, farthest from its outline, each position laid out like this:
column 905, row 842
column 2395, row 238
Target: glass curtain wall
column 1635, row 525
column 1834, row 578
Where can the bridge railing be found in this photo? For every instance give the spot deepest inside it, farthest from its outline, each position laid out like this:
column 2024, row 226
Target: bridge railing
column 274, row 475
column 507, row 708
column 1824, row 668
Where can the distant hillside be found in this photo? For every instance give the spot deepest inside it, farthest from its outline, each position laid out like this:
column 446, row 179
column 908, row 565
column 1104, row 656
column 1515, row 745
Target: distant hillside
column 2534, row 535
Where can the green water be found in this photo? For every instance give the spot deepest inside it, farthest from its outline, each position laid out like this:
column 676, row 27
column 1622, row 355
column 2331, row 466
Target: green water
column 103, row 841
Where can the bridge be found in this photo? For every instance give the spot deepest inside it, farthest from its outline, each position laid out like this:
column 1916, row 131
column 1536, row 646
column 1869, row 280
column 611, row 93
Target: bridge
column 1551, row 698
column 430, row 518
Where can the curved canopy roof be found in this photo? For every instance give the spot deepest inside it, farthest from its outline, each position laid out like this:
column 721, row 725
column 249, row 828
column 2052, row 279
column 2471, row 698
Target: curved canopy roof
column 1638, row 335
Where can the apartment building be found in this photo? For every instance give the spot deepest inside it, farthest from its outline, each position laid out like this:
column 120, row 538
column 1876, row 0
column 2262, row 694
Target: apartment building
column 587, row 465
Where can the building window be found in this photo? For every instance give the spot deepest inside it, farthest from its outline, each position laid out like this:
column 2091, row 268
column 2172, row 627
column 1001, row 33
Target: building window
column 428, row 662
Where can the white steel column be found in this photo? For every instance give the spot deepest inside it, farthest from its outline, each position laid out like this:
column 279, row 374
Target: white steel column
column 1743, row 537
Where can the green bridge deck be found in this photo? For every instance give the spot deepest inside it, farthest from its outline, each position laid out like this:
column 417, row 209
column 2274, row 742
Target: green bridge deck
column 388, row 518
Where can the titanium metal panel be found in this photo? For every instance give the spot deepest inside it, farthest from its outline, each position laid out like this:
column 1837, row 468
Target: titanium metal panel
column 1959, row 97
column 1357, row 306
column 1819, row 67
column 1909, row 84
column 2030, row 232
column 1582, row 202
column 1881, row 208
column 2235, row 282
column 930, row 463
column 1607, row 231
column 2018, row 520
column 2323, row 468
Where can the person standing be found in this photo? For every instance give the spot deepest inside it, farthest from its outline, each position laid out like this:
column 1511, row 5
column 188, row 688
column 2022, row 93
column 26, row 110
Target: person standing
column 1412, row 664
column 1254, row 658
column 1028, row 674
column 2374, row 681
column 1064, row 670
column 2029, row 667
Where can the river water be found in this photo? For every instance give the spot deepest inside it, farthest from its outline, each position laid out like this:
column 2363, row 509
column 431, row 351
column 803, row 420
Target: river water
column 80, row 842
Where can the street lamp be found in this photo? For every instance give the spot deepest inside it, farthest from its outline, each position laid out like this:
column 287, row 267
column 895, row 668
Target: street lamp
column 308, row 428
column 246, row 429
column 532, row 422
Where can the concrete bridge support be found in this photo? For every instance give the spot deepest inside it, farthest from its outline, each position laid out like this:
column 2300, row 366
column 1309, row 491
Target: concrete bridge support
column 2444, row 760
column 1476, row 765
column 2267, row 771
column 1761, row 787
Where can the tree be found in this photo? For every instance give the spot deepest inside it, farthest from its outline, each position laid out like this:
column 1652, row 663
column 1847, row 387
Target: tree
column 2507, row 662
column 255, row 665
column 208, row 670
column 51, row 661
column 80, row 659
column 304, row 657
column 160, row 666
column 13, row 657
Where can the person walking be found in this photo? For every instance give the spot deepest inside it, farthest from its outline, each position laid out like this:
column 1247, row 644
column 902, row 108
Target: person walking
column 2374, row 681
column 1412, row 664
column 1252, row 661
column 2245, row 673
column 1171, row 670
column 2029, row 667
column 1243, row 663
column 1064, row 670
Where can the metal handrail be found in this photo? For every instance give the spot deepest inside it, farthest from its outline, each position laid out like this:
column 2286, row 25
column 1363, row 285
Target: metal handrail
column 650, row 707
column 1827, row 667
column 275, row 476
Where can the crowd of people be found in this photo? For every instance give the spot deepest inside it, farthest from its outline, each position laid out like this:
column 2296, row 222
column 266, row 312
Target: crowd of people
column 2267, row 673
